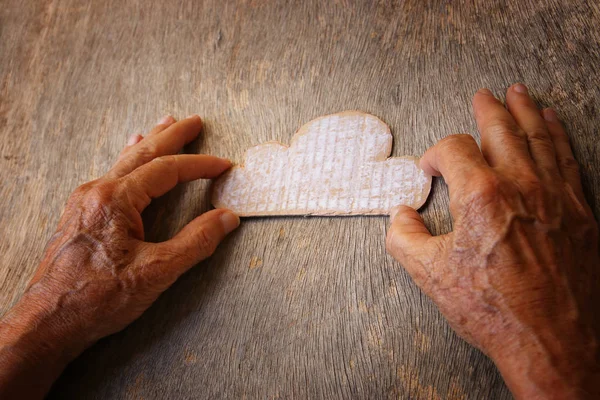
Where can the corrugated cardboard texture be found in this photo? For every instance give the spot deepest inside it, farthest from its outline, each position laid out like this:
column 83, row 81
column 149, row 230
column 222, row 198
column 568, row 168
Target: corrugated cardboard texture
column 335, row 165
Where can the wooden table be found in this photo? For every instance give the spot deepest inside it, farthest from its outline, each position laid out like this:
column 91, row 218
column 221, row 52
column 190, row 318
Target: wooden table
column 287, row 307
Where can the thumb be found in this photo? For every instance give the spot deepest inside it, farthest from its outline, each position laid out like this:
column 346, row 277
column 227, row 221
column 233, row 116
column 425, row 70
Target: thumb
column 410, row 242
column 199, row 239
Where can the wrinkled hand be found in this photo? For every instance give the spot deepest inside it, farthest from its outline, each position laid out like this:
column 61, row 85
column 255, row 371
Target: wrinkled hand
column 98, row 274
column 517, row 275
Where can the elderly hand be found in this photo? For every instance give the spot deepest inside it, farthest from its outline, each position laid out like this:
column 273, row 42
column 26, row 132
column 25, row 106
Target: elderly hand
column 98, row 274
column 517, row 276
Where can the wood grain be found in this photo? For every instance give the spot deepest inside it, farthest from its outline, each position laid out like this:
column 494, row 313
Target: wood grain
column 287, row 307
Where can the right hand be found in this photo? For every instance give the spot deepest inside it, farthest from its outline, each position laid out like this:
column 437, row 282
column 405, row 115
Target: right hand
column 518, row 275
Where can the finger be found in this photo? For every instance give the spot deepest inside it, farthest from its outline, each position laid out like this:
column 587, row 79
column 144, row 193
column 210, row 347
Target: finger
column 527, row 115
column 131, row 141
column 162, row 124
column 195, row 242
column 411, row 243
column 503, row 143
column 155, row 178
column 134, row 139
column 457, row 158
column 567, row 165
column 170, row 141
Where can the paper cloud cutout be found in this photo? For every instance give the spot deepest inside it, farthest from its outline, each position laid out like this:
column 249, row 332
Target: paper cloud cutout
column 335, row 165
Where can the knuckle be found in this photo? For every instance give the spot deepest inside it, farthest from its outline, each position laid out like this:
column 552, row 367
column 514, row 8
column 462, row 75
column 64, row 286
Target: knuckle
column 156, row 270
column 538, row 133
column 98, row 205
column 457, row 140
column 98, row 198
column 132, row 181
column 487, row 186
column 148, row 151
column 501, row 128
column 539, row 137
column 482, row 191
column 98, row 195
column 530, row 182
column 168, row 161
column 205, row 241
column 82, row 189
column 569, row 164
column 455, row 144
column 159, row 260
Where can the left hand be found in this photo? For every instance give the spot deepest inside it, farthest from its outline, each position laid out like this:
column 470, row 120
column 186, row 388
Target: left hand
column 98, row 274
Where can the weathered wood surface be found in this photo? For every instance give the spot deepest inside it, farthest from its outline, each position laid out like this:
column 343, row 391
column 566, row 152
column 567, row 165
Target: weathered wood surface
column 287, row 307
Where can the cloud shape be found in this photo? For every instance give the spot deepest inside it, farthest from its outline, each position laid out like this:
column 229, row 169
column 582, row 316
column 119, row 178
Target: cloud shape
column 335, row 165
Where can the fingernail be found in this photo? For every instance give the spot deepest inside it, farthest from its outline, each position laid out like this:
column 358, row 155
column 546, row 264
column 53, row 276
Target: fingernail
column 550, row 115
column 394, row 212
column 193, row 116
column 133, row 139
column 164, row 120
column 520, row 88
column 230, row 221
column 485, row 91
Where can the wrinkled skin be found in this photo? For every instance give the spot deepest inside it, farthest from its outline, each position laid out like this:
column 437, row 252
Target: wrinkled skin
column 97, row 274
column 516, row 276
